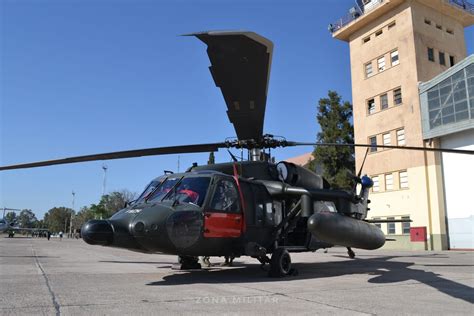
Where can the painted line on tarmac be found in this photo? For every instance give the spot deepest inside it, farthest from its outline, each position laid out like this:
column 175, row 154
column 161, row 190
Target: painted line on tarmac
column 51, row 292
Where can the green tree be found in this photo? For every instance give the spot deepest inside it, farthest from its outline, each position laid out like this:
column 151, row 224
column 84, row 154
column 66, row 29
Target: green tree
column 27, row 219
column 334, row 118
column 11, row 217
column 83, row 216
column 40, row 224
column 109, row 204
column 57, row 219
column 212, row 158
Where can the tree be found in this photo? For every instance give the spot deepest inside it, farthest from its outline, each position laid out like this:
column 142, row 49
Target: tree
column 212, row 158
column 11, row 217
column 40, row 224
column 57, row 219
column 27, row 219
column 334, row 118
column 82, row 217
column 111, row 203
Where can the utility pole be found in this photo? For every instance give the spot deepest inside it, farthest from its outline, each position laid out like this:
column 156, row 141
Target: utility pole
column 104, row 167
column 70, row 221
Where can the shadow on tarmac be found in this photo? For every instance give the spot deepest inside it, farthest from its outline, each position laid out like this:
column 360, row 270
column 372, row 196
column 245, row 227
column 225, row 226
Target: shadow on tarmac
column 382, row 270
column 138, row 262
column 29, row 257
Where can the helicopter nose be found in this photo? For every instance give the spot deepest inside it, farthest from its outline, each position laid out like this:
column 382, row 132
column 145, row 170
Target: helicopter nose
column 97, row 232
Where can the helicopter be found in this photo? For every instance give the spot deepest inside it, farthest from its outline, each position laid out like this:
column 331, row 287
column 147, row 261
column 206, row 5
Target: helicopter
column 256, row 208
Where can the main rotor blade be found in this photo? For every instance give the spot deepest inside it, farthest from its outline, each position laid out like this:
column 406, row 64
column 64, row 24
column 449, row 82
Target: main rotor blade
column 241, row 63
column 444, row 150
column 123, row 154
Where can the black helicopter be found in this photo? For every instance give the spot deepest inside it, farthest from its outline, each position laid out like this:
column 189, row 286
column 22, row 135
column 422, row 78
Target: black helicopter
column 250, row 208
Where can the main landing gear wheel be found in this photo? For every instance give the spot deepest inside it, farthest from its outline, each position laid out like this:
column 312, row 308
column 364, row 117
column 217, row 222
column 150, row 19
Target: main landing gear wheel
column 189, row 263
column 280, row 264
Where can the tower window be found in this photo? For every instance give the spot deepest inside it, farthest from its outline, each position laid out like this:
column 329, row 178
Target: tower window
column 397, row 96
column 378, row 33
column 368, row 70
column 392, row 25
column 430, row 54
column 401, row 137
column 373, row 142
column 394, row 58
column 449, row 31
column 439, row 27
column 406, row 225
column 451, row 60
column 381, row 64
column 403, row 179
column 442, row 59
column 389, row 181
column 384, row 101
column 376, row 186
column 377, row 224
column 371, row 106
column 365, row 40
column 387, row 140
column 391, row 226
column 427, row 22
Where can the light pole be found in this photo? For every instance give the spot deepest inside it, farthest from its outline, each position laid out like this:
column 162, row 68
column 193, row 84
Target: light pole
column 70, row 221
column 104, row 167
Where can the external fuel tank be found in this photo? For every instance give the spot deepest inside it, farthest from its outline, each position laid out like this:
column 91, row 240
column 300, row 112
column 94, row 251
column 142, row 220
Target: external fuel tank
column 346, row 231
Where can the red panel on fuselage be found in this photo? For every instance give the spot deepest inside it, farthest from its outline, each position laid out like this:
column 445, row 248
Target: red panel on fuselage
column 222, row 225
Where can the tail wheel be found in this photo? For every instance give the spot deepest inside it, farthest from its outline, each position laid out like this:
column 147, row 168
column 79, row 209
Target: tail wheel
column 280, row 264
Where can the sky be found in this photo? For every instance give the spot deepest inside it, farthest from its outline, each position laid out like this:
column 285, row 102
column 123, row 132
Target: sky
column 85, row 77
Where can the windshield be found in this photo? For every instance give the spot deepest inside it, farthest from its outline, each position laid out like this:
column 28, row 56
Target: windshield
column 163, row 189
column 190, row 190
column 148, row 190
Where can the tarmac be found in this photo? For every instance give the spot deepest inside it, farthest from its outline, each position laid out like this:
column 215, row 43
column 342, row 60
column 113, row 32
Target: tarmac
column 69, row 277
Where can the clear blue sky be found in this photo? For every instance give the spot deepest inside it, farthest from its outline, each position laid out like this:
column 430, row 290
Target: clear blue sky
column 82, row 77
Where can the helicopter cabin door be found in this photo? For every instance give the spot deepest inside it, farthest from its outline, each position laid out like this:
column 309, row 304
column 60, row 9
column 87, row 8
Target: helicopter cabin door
column 223, row 215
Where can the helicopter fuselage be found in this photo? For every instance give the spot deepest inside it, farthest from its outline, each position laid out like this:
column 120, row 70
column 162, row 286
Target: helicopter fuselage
column 221, row 210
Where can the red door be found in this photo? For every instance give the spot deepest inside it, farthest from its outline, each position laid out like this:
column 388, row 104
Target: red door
column 222, row 225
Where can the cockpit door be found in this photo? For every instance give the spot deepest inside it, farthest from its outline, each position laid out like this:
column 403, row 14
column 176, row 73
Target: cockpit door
column 223, row 215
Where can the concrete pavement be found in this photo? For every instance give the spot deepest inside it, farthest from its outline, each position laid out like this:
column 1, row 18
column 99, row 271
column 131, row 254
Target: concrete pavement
column 69, row 277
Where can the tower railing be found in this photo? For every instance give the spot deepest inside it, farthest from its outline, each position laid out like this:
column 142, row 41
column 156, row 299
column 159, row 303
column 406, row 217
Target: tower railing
column 357, row 12
column 462, row 4
column 354, row 13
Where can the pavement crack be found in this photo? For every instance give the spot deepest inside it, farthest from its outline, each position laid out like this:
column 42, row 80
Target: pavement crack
column 57, row 307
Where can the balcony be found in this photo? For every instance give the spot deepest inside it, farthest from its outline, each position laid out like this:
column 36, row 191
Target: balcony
column 462, row 4
column 354, row 13
column 366, row 11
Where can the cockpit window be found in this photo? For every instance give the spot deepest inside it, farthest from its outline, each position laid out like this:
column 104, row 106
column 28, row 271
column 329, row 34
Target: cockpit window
column 190, row 190
column 148, row 191
column 226, row 197
column 2, row 221
column 163, row 189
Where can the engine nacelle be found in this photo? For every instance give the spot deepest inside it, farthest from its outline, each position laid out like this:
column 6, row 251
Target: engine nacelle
column 298, row 176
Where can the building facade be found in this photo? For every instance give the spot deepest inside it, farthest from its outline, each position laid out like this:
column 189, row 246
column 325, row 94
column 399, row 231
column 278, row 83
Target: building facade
column 394, row 45
column 447, row 112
